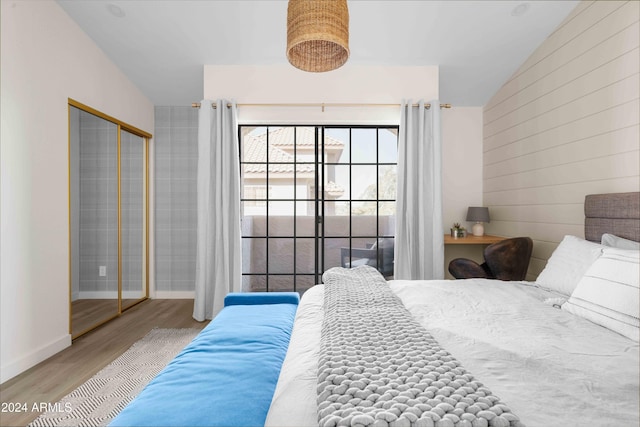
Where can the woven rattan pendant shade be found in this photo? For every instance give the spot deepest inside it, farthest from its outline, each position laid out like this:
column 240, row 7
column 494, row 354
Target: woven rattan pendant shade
column 317, row 34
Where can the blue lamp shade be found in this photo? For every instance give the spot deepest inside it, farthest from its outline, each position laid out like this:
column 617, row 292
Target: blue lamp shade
column 478, row 215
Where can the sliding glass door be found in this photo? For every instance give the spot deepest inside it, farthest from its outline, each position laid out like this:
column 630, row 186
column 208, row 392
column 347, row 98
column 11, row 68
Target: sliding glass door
column 358, row 207
column 315, row 197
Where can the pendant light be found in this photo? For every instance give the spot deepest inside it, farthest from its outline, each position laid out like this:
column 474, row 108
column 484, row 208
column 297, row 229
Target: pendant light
column 317, row 34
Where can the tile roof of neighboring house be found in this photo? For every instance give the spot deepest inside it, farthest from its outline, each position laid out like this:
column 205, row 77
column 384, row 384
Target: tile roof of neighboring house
column 254, row 150
column 255, row 147
column 304, row 136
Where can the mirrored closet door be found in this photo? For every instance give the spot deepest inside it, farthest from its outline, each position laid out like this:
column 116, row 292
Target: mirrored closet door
column 108, row 217
column 133, row 218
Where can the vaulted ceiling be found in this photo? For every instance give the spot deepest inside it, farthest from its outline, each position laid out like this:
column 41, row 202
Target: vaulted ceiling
column 162, row 45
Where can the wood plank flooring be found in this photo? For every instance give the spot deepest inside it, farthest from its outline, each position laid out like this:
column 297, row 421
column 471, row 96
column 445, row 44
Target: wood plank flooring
column 86, row 313
column 57, row 376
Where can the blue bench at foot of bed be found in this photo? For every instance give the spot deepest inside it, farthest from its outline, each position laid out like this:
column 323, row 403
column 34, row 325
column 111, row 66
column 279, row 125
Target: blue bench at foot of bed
column 227, row 375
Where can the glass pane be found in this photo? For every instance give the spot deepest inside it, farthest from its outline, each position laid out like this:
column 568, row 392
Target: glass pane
column 281, row 145
column 334, row 252
column 387, row 218
column 279, row 283
column 336, row 145
column 363, row 219
column 387, row 145
column 305, row 144
column 280, row 189
column 387, row 175
column 305, row 256
column 254, row 144
column 336, row 182
column 281, row 218
column 251, row 208
column 336, row 218
column 386, row 248
column 363, row 208
column 280, row 256
column 254, row 283
column 363, row 145
column 255, row 223
column 305, row 182
column 254, row 182
column 254, row 255
column 305, row 219
column 364, row 182
column 363, row 251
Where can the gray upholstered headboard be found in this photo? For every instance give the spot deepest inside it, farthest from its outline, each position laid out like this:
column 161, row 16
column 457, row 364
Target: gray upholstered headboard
column 615, row 213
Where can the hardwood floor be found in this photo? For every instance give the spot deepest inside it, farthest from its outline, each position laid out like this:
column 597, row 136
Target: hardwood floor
column 57, row 376
column 86, row 313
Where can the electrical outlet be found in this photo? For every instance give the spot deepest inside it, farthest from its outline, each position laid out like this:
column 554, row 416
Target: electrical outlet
column 102, row 271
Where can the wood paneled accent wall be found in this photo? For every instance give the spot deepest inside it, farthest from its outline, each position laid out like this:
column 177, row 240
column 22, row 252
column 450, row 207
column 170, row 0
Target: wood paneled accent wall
column 566, row 124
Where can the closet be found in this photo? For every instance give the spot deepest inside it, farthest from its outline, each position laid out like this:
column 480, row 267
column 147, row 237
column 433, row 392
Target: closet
column 108, row 217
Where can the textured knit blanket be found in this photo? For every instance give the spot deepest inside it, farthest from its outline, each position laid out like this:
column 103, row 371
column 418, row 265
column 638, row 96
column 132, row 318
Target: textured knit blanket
column 379, row 367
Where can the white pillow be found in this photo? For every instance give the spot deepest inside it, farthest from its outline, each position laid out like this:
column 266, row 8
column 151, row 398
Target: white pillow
column 568, row 263
column 608, row 293
column 619, row 242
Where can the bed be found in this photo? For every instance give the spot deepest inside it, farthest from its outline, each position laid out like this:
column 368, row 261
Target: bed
column 361, row 351
column 562, row 351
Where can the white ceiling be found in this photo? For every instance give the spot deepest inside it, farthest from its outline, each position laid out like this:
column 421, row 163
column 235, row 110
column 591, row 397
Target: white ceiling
column 162, row 45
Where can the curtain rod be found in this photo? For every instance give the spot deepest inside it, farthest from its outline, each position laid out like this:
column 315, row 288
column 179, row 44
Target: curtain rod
column 321, row 105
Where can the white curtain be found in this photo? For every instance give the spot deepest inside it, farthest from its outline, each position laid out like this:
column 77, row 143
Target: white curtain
column 419, row 245
column 218, row 256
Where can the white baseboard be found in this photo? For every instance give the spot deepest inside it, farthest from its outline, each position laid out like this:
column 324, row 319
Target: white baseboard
column 173, row 295
column 17, row 367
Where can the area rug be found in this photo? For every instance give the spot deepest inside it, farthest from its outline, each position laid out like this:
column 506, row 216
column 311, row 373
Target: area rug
column 100, row 399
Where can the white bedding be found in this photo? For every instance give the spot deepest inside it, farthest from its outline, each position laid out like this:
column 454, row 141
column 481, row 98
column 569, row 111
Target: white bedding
column 537, row 358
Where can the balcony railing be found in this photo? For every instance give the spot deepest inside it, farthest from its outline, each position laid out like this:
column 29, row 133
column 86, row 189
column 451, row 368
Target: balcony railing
column 284, row 248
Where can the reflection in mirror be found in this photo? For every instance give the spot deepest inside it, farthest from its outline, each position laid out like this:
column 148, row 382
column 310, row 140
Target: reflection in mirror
column 108, row 218
column 132, row 217
column 93, row 145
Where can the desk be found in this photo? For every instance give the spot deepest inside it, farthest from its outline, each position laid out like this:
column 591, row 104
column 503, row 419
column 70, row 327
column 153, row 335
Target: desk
column 487, row 239
column 470, row 247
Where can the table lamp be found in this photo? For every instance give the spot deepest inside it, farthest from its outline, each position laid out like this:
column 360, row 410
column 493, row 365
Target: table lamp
column 479, row 215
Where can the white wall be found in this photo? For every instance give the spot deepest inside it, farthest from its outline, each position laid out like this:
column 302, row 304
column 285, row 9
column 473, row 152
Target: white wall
column 46, row 59
column 565, row 125
column 461, row 163
column 277, row 84
column 461, row 175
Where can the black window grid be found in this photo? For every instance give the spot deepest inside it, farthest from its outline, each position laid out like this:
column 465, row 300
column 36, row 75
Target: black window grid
column 319, row 199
